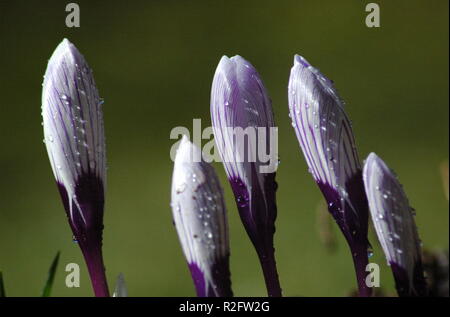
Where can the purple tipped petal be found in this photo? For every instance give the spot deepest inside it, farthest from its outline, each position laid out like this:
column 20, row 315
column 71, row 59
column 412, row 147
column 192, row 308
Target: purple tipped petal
column 394, row 223
column 200, row 218
column 74, row 137
column 326, row 139
column 244, row 132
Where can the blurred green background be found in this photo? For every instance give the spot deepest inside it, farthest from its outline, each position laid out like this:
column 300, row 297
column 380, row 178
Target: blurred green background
column 153, row 63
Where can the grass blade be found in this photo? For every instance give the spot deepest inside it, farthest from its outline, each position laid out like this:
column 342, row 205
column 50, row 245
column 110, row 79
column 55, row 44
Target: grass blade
column 51, row 276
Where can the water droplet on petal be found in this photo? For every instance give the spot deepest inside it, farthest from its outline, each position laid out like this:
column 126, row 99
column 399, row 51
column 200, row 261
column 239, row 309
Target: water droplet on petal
column 181, row 188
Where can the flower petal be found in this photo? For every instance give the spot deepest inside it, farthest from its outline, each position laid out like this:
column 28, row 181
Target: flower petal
column 394, row 224
column 74, row 133
column 326, row 138
column 199, row 216
column 246, row 136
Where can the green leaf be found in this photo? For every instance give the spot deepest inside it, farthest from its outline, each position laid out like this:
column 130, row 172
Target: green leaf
column 51, row 276
column 2, row 286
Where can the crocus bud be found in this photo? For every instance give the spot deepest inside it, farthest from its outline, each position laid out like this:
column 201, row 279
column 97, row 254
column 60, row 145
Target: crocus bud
column 393, row 219
column 245, row 136
column 200, row 219
column 74, row 137
column 326, row 139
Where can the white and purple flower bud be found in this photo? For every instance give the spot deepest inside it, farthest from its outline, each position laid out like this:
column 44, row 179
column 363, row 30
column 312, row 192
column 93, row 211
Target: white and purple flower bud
column 326, row 139
column 74, row 137
column 393, row 219
column 199, row 215
column 246, row 139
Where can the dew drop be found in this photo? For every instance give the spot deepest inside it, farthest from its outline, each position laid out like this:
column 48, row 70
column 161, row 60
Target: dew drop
column 181, row 188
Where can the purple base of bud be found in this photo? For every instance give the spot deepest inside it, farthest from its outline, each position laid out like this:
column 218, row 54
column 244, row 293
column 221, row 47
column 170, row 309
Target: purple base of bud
column 259, row 222
column 353, row 221
column 220, row 275
column 403, row 283
column 88, row 232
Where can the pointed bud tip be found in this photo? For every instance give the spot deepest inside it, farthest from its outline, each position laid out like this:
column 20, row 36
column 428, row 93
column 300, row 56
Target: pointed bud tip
column 300, row 60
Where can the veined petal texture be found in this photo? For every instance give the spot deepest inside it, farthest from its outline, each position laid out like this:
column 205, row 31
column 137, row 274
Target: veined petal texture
column 74, row 135
column 200, row 219
column 326, row 138
column 246, row 139
column 394, row 223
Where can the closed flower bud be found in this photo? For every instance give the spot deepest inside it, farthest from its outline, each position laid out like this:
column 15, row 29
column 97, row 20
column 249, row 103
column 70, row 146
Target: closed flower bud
column 74, row 137
column 246, row 136
column 199, row 215
column 326, row 138
column 393, row 219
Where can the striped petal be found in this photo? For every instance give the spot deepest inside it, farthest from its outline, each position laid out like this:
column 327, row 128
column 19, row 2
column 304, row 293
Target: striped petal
column 326, row 138
column 74, row 134
column 244, row 131
column 393, row 219
column 200, row 219
column 74, row 137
